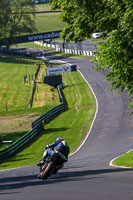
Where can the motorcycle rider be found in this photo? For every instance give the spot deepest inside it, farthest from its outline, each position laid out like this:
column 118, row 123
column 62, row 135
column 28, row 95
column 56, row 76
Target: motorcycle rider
column 59, row 146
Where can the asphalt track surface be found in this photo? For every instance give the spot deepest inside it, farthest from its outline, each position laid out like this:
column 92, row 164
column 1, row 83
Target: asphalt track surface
column 87, row 175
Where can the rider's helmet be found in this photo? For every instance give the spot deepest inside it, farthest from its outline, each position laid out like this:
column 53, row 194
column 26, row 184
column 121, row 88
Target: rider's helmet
column 59, row 139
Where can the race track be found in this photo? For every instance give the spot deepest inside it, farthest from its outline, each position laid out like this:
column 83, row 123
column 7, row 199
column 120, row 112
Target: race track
column 87, row 175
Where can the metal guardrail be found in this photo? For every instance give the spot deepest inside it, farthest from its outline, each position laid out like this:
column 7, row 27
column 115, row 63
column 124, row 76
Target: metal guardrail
column 20, row 144
column 48, row 115
column 37, row 128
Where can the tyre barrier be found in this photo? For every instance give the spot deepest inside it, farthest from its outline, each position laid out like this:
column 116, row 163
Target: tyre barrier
column 67, row 50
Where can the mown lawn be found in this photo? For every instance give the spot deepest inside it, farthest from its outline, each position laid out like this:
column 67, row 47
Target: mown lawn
column 43, row 7
column 48, row 22
column 14, row 94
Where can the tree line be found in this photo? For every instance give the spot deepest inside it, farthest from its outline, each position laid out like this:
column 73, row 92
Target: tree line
column 42, row 1
column 15, row 19
column 115, row 18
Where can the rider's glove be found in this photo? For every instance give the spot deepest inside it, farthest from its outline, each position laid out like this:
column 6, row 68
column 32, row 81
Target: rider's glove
column 47, row 147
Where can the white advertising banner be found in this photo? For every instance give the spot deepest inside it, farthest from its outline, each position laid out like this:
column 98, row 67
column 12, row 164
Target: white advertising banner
column 55, row 70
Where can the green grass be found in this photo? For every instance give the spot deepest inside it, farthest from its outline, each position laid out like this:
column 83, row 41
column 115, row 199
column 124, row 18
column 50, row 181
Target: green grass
column 14, row 94
column 72, row 125
column 48, row 22
column 126, row 160
column 31, row 45
column 43, row 7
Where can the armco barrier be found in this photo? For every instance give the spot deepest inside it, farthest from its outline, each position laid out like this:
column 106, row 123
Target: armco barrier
column 20, row 144
column 37, row 128
column 46, row 117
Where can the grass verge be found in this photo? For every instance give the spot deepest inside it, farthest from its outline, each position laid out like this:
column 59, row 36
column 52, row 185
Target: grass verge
column 125, row 160
column 72, row 125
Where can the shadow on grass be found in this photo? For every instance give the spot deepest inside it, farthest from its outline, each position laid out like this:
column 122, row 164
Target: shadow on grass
column 50, row 130
column 76, row 84
column 14, row 136
column 17, row 60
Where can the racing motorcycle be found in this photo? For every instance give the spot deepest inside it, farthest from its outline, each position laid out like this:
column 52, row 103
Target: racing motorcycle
column 51, row 165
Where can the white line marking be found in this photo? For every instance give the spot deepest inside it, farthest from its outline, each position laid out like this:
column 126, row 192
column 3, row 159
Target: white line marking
column 93, row 119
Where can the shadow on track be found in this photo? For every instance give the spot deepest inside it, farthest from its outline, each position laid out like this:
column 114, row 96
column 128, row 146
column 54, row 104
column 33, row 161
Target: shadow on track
column 13, row 183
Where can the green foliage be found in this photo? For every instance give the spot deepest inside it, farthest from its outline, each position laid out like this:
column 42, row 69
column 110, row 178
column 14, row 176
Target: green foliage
column 4, row 16
column 115, row 17
column 16, row 18
column 116, row 56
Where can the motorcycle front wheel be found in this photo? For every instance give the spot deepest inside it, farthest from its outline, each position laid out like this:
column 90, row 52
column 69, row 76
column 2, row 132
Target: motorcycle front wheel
column 47, row 170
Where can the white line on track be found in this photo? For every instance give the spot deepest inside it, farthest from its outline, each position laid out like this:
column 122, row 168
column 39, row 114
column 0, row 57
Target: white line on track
column 93, row 119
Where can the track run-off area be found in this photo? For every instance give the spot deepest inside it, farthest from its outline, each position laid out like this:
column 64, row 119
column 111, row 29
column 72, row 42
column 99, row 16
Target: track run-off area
column 87, row 175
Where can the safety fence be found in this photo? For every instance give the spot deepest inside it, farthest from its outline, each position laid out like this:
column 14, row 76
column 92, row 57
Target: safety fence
column 37, row 128
column 34, row 88
column 81, row 48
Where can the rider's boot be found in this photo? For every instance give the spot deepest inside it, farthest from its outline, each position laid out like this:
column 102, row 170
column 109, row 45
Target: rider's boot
column 43, row 158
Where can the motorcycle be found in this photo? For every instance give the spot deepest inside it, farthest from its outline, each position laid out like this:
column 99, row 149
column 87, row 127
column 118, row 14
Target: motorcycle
column 52, row 165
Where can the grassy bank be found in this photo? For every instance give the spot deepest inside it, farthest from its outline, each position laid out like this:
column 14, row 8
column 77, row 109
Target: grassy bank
column 126, row 160
column 72, row 125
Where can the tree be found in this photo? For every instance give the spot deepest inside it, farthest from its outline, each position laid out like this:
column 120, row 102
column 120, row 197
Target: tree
column 115, row 17
column 4, row 12
column 16, row 18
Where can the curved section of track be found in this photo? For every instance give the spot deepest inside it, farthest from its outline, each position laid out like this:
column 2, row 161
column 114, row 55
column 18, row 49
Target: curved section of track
column 87, row 175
